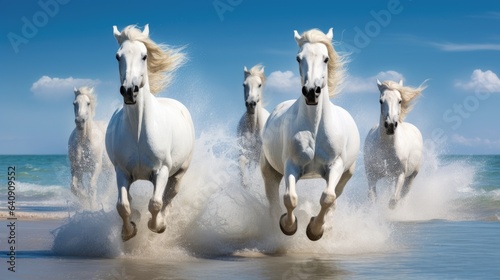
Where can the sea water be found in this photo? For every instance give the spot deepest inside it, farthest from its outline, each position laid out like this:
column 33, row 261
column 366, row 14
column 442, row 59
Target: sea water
column 448, row 227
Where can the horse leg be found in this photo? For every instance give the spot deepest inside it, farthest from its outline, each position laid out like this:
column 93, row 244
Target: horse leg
column 272, row 179
column 407, row 184
column 157, row 221
column 288, row 221
column 170, row 192
column 93, row 184
column 123, row 207
column 346, row 176
column 397, row 193
column 372, row 187
column 243, row 162
column 336, row 179
column 77, row 184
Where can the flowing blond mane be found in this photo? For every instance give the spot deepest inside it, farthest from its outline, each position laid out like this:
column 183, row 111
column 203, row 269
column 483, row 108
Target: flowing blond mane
column 257, row 70
column 408, row 95
column 336, row 70
column 89, row 92
column 162, row 59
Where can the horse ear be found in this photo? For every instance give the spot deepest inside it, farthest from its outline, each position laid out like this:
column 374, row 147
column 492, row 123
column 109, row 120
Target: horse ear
column 116, row 33
column 296, row 36
column 378, row 82
column 75, row 90
column 262, row 70
column 245, row 69
column 145, row 32
column 401, row 82
column 330, row 34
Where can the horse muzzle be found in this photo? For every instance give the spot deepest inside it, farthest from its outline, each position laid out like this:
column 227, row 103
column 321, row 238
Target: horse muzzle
column 251, row 107
column 80, row 123
column 390, row 127
column 129, row 94
column 311, row 95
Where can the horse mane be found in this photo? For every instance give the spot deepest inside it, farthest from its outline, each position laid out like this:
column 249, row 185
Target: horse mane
column 408, row 95
column 336, row 68
column 89, row 92
column 257, row 70
column 162, row 59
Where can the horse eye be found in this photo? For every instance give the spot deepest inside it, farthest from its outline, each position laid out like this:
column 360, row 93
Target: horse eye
column 260, row 85
column 145, row 57
column 298, row 59
column 88, row 103
column 326, row 59
column 381, row 101
column 399, row 101
column 117, row 57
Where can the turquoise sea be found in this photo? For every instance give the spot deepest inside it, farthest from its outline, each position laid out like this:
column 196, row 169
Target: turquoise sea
column 448, row 228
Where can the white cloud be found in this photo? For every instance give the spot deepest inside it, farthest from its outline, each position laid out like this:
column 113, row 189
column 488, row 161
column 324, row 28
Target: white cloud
column 475, row 141
column 366, row 85
column 481, row 81
column 48, row 87
column 283, row 82
column 453, row 47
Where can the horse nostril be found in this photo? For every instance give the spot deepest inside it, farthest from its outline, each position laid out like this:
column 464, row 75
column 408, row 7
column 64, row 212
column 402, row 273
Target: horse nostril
column 318, row 90
column 304, row 91
column 396, row 124
column 254, row 104
column 136, row 89
column 386, row 124
column 122, row 90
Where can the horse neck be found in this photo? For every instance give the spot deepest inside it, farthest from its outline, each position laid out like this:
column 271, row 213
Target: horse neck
column 315, row 114
column 86, row 132
column 137, row 115
column 256, row 120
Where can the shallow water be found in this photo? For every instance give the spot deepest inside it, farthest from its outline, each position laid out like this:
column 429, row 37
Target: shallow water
column 447, row 228
column 427, row 250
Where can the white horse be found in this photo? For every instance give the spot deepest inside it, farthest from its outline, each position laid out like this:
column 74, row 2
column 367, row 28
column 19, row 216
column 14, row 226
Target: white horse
column 393, row 148
column 310, row 137
column 149, row 138
column 252, row 122
column 86, row 150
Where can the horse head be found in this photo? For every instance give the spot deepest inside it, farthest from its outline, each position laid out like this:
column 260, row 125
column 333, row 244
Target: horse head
column 132, row 62
column 83, row 106
column 390, row 106
column 252, row 85
column 313, row 58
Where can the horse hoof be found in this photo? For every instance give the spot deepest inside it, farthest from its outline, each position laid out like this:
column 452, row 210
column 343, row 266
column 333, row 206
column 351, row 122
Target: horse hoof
column 312, row 236
column 154, row 229
column 134, row 232
column 294, row 226
column 162, row 229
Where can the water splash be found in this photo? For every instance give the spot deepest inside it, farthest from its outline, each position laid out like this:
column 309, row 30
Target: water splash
column 214, row 215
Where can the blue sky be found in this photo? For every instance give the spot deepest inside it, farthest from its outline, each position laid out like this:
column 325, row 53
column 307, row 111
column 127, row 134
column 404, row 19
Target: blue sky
column 49, row 46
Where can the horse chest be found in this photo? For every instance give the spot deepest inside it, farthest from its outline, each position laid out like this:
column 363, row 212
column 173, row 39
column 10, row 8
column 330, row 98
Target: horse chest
column 308, row 152
column 84, row 154
column 389, row 163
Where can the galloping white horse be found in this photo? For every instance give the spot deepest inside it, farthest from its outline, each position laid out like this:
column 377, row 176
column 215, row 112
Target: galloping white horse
column 310, row 137
column 149, row 138
column 86, row 150
column 252, row 122
column 393, row 148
